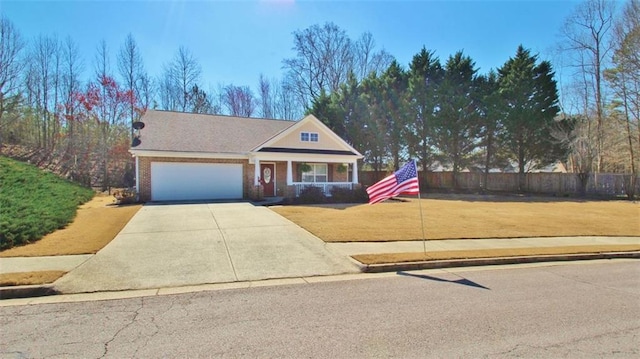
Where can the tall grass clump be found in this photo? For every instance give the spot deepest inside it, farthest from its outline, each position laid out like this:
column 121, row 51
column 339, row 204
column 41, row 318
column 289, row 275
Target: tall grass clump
column 34, row 202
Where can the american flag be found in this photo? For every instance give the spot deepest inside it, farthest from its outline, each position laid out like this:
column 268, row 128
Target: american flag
column 403, row 181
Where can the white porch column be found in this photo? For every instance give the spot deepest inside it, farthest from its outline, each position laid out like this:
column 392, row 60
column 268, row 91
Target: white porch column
column 289, row 173
column 354, row 174
column 256, row 172
column 137, row 176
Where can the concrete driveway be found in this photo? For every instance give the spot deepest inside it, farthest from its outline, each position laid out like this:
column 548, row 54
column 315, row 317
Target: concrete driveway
column 168, row 245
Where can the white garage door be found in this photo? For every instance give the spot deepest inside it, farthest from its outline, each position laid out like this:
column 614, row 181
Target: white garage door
column 171, row 181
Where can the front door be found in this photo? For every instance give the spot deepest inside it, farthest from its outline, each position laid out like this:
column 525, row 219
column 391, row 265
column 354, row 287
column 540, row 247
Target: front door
column 268, row 175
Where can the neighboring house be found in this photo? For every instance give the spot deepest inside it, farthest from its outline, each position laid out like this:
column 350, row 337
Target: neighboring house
column 186, row 156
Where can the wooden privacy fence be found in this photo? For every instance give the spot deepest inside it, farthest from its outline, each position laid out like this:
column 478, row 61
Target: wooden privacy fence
column 605, row 184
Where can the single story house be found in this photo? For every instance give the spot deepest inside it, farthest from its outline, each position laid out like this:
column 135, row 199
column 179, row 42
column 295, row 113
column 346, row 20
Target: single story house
column 187, row 156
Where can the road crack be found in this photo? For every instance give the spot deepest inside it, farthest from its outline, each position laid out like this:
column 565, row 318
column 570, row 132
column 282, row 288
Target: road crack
column 127, row 325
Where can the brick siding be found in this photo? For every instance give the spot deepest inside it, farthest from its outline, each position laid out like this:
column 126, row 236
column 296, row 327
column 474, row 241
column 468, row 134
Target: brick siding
column 248, row 189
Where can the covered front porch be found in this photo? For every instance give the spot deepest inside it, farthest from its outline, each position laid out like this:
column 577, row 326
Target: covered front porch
column 287, row 176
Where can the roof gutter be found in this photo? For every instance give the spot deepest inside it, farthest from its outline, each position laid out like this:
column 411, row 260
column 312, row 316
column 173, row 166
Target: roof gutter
column 184, row 154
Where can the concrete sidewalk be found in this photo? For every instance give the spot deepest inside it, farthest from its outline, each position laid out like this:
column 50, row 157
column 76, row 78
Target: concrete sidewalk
column 47, row 263
column 67, row 263
column 353, row 248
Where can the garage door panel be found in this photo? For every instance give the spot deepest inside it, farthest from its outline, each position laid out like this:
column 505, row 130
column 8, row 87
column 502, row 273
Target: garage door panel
column 195, row 181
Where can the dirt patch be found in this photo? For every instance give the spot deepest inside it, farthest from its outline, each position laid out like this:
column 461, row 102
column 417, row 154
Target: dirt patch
column 96, row 224
column 466, row 218
column 30, row 278
column 383, row 258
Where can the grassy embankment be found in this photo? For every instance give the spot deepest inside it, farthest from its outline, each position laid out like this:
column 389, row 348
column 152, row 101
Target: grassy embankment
column 34, row 202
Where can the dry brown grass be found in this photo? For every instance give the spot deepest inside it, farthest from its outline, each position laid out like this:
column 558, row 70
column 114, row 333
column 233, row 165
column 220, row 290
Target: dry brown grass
column 30, row 278
column 96, row 224
column 495, row 217
column 490, row 253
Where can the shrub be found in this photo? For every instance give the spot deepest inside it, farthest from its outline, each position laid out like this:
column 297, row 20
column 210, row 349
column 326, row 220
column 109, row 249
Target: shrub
column 34, row 202
column 346, row 195
column 311, row 195
column 125, row 196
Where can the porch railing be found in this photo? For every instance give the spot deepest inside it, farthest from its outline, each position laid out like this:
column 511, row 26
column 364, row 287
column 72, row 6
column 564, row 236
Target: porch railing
column 324, row 186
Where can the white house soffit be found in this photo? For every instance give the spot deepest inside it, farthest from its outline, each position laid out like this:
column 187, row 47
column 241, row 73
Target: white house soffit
column 301, row 157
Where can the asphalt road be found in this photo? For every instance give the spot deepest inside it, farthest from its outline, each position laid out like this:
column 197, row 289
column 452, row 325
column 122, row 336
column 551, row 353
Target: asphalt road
column 584, row 310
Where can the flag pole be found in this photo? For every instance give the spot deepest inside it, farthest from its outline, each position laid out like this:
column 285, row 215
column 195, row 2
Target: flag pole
column 424, row 238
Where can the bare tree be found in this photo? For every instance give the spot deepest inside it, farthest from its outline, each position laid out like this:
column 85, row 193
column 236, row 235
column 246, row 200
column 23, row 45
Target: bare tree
column 324, row 57
column 239, row 101
column 71, row 68
column 43, row 82
column 586, row 41
column 146, row 91
column 168, row 93
column 266, row 100
column 624, row 79
column 574, row 135
column 11, row 45
column 199, row 101
column 101, row 63
column 131, row 69
column 367, row 60
column 180, row 76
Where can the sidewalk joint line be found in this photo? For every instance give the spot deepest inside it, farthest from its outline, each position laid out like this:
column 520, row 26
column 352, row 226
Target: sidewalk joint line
column 224, row 240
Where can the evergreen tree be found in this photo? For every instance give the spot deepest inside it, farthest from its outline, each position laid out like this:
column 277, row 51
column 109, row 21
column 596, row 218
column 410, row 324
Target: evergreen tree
column 531, row 101
column 425, row 77
column 392, row 86
column 374, row 123
column 457, row 126
column 491, row 112
column 324, row 107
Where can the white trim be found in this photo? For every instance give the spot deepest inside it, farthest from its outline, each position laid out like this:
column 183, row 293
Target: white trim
column 309, row 136
column 354, row 172
column 178, row 154
column 324, row 186
column 315, row 175
column 256, row 172
column 301, row 157
column 137, row 177
column 289, row 173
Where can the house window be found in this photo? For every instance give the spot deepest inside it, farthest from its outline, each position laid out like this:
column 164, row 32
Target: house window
column 317, row 173
column 308, row 137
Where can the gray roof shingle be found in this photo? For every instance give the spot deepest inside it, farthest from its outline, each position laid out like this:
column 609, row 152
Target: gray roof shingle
column 190, row 132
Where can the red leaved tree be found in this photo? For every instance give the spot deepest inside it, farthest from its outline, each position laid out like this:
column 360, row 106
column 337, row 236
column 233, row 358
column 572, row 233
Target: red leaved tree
column 105, row 105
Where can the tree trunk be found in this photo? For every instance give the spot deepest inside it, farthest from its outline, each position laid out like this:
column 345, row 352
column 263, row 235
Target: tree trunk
column 521, row 167
column 583, row 181
column 487, row 163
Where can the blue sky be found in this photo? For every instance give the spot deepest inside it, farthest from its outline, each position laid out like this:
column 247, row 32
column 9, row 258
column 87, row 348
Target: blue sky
column 235, row 41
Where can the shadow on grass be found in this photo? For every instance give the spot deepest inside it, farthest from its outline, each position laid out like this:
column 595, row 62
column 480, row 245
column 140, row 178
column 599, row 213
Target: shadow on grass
column 463, row 281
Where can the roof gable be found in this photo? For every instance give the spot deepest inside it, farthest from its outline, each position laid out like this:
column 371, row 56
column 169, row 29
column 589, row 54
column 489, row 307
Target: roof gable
column 290, row 138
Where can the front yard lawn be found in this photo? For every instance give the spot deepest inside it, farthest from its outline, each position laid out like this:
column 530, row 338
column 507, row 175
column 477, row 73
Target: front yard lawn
column 383, row 258
column 466, row 217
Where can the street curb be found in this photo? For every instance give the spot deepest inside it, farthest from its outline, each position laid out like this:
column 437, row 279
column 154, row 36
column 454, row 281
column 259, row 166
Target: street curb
column 436, row 264
column 27, row 291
